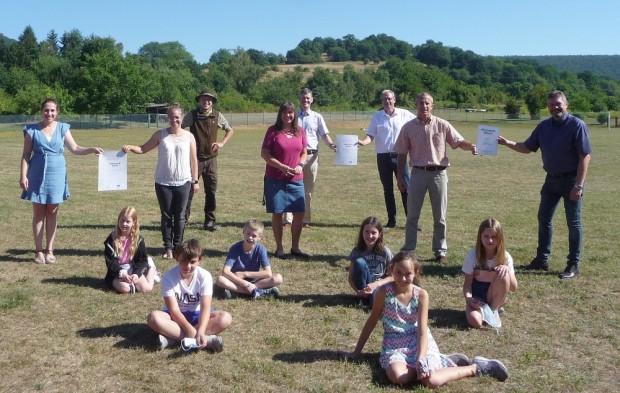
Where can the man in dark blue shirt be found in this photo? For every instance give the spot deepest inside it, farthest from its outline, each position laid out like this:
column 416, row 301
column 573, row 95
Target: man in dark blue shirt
column 565, row 145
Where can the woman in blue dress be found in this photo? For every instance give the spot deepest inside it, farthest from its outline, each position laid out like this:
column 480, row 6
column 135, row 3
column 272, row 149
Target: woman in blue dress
column 43, row 177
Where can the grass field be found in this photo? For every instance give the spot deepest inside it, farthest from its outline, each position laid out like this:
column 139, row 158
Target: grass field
column 63, row 330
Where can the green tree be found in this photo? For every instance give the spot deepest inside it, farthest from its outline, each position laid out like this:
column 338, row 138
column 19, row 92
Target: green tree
column 169, row 54
column 339, row 54
column 536, row 99
column 54, row 71
column 460, row 94
column 50, row 45
column 8, row 105
column 109, row 83
column 71, row 46
column 324, row 87
column 94, row 44
column 19, row 79
column 512, row 109
column 27, row 50
column 433, row 53
column 276, row 90
column 242, row 71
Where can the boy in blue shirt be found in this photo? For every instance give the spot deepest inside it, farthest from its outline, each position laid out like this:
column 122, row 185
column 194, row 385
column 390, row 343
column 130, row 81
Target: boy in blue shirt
column 247, row 269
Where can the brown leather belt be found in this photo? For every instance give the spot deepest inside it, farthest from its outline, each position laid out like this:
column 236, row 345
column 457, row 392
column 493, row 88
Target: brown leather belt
column 431, row 168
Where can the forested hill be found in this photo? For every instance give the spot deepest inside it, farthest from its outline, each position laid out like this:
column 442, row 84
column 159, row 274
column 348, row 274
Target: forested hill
column 603, row 65
column 94, row 75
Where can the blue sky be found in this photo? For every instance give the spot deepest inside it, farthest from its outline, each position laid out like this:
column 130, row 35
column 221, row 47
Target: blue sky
column 523, row 27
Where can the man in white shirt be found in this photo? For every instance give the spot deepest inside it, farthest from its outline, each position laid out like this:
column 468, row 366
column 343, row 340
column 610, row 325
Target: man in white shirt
column 315, row 128
column 384, row 129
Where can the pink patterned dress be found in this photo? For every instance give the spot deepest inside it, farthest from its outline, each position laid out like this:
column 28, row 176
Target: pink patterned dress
column 400, row 333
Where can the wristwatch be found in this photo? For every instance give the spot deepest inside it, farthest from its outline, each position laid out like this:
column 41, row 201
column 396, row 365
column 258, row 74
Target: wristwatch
column 194, row 181
column 579, row 187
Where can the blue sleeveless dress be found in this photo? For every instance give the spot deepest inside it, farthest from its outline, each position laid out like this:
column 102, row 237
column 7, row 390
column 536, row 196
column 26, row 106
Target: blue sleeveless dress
column 47, row 170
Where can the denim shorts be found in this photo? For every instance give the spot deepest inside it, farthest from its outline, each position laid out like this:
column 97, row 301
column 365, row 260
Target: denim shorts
column 284, row 196
column 480, row 289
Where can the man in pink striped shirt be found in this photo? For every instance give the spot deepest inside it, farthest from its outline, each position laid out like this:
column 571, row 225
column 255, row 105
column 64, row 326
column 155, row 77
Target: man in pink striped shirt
column 425, row 139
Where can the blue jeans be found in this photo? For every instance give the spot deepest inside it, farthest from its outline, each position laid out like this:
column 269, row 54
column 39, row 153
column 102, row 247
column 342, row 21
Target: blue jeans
column 172, row 201
column 386, row 164
column 554, row 189
column 362, row 277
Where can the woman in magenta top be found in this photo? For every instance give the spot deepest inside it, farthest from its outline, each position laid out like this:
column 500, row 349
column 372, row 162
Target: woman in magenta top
column 284, row 151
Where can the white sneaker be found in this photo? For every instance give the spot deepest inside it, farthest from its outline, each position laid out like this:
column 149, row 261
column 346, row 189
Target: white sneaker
column 497, row 318
column 156, row 276
column 215, row 343
column 164, row 342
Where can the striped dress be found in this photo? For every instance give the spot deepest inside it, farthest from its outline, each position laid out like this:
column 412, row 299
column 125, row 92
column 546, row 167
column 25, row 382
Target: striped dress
column 400, row 333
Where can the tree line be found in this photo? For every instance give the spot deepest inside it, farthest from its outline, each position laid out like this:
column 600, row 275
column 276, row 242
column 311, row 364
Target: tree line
column 92, row 75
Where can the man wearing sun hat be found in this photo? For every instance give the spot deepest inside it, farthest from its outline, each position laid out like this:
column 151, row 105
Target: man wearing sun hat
column 203, row 123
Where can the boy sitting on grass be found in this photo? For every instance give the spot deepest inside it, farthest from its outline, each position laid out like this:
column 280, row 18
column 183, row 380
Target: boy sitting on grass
column 187, row 290
column 242, row 271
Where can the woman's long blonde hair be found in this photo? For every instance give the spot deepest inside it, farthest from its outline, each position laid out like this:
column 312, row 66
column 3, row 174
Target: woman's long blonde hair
column 128, row 211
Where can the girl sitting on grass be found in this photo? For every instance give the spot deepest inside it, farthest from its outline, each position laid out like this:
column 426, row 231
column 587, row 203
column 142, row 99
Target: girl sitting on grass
column 489, row 276
column 130, row 269
column 368, row 261
column 409, row 351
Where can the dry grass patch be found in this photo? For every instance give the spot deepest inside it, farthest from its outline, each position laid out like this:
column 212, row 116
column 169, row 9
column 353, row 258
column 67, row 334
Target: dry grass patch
column 308, row 69
column 62, row 330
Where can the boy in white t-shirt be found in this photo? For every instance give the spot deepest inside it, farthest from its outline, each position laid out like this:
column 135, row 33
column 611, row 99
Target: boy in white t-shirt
column 187, row 290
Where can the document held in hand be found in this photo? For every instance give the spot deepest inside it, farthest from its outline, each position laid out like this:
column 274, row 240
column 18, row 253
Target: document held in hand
column 112, row 171
column 486, row 145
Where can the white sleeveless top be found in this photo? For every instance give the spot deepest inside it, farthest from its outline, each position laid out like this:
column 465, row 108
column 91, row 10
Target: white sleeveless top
column 173, row 159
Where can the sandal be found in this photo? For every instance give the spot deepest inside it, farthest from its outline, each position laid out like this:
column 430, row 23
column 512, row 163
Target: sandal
column 49, row 257
column 39, row 257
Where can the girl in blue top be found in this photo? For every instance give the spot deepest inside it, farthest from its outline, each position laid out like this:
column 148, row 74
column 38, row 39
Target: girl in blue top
column 368, row 261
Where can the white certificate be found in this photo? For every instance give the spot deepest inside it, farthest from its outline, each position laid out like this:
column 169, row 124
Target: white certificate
column 486, row 145
column 112, row 171
column 346, row 149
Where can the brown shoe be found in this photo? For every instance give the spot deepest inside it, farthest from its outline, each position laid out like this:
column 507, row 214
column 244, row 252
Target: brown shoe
column 441, row 259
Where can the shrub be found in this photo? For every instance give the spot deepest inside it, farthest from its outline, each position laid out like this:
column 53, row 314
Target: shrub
column 602, row 118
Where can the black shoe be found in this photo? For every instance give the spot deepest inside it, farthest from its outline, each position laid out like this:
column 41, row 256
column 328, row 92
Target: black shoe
column 390, row 224
column 442, row 259
column 536, row 264
column 210, row 226
column 571, row 271
column 419, row 228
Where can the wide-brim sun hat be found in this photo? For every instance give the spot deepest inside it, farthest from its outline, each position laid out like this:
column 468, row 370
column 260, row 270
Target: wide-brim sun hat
column 206, row 93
